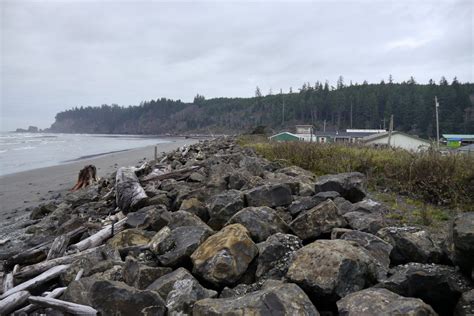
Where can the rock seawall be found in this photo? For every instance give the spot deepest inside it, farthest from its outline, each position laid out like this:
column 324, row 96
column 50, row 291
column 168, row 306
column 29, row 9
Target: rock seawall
column 221, row 231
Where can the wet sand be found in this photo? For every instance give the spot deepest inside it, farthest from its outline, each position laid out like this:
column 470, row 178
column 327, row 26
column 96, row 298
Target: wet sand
column 30, row 188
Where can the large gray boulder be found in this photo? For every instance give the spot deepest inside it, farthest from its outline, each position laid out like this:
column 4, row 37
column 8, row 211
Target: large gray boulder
column 377, row 248
column 164, row 285
column 276, row 299
column 381, row 302
column 351, row 185
column 261, row 222
column 183, row 218
column 317, row 221
column 223, row 206
column 461, row 242
column 149, row 217
column 366, row 222
column 117, row 298
column 271, row 195
column 139, row 275
column 184, row 294
column 225, row 256
column 331, row 269
column 437, row 285
column 410, row 244
column 176, row 247
column 275, row 255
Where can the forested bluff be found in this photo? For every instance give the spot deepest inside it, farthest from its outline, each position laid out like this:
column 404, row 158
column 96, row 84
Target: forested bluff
column 369, row 105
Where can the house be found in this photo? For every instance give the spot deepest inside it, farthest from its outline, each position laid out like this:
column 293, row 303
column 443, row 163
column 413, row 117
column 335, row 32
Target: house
column 285, row 137
column 458, row 140
column 307, row 134
column 398, row 140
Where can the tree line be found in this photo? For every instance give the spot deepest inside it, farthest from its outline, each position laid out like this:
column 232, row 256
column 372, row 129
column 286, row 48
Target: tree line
column 336, row 107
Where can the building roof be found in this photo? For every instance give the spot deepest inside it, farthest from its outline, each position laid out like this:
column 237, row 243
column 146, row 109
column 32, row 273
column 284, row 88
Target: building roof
column 288, row 133
column 342, row 134
column 458, row 136
column 382, row 135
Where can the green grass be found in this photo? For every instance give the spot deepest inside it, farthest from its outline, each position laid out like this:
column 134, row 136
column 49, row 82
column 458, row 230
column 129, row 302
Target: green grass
column 428, row 177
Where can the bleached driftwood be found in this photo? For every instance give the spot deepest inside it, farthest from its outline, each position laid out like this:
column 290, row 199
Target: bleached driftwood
column 129, row 194
column 35, row 269
column 8, row 281
column 12, row 302
column 101, row 236
column 79, row 275
column 68, row 307
column 178, row 174
column 58, row 248
column 32, row 307
column 36, row 281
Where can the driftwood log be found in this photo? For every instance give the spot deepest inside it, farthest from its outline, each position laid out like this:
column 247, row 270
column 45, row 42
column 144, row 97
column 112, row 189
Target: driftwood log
column 177, row 175
column 58, row 248
column 32, row 307
column 87, row 176
column 129, row 193
column 101, row 236
column 36, row 281
column 35, row 269
column 67, row 307
column 12, row 302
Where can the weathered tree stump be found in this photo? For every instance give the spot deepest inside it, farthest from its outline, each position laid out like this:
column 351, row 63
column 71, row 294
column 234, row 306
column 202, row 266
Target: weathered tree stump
column 87, row 176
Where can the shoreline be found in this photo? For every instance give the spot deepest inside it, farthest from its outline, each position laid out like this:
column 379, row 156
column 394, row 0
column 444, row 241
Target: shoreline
column 32, row 187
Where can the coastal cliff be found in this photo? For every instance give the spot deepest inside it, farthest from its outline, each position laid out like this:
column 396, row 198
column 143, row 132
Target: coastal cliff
column 213, row 222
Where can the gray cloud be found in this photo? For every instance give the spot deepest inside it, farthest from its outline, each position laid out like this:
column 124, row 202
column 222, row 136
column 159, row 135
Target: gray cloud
column 59, row 54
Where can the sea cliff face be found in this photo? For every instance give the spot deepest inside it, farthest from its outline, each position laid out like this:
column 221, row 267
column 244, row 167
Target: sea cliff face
column 213, row 229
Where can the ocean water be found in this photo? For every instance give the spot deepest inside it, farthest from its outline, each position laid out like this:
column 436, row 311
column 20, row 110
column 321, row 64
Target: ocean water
column 26, row 151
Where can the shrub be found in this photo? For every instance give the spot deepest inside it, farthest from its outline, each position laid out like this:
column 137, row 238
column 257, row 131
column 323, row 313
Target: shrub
column 430, row 175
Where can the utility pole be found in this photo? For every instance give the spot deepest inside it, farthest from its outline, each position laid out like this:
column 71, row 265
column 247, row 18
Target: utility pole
column 384, row 123
column 283, row 113
column 437, row 121
column 390, row 130
column 324, row 126
column 351, row 113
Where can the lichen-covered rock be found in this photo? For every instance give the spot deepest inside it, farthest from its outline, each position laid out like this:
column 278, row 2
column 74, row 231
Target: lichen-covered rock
column 381, row 302
column 317, row 221
column 282, row 299
column 351, row 185
column 465, row 305
column 275, row 255
column 223, row 206
column 331, row 269
column 437, row 285
column 150, row 217
column 179, row 244
column 224, row 257
column 130, row 237
column 261, row 222
column 410, row 244
column 117, row 298
column 184, row 294
column 461, row 242
column 271, row 195
column 379, row 249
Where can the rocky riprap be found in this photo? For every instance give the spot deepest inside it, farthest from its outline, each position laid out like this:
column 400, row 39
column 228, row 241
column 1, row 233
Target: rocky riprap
column 213, row 229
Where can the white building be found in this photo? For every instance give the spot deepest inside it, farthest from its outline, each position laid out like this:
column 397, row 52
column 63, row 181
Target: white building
column 398, row 140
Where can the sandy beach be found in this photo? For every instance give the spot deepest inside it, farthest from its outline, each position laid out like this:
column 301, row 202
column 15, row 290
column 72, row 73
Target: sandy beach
column 30, row 188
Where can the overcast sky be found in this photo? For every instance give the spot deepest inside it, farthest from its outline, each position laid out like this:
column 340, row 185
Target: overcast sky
column 60, row 54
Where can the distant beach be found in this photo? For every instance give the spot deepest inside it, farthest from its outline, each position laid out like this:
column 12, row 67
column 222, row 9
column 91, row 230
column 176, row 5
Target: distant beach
column 29, row 188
